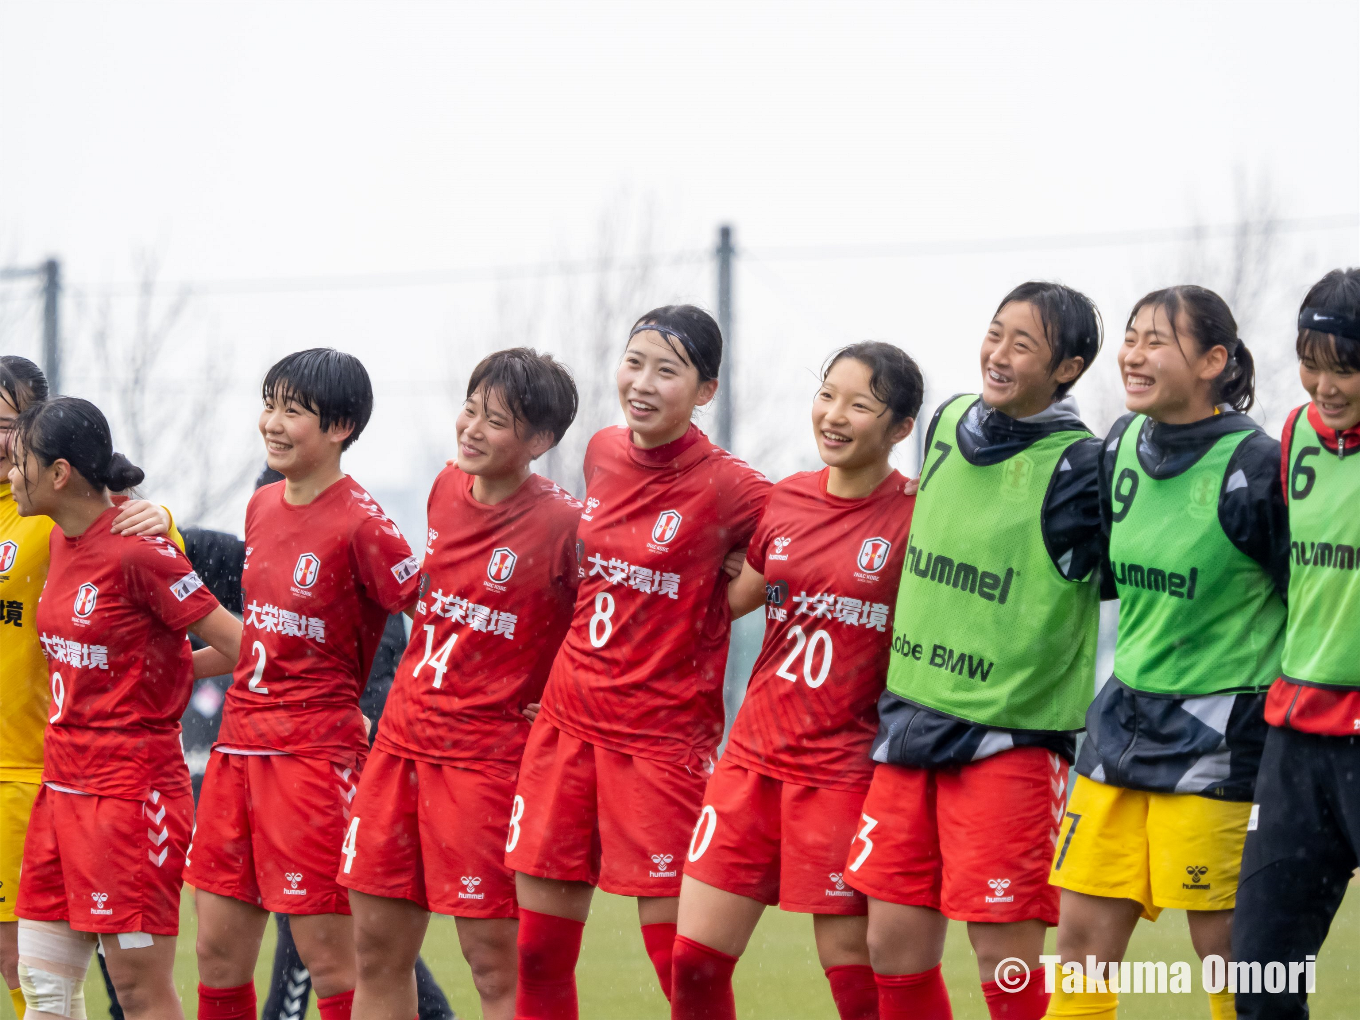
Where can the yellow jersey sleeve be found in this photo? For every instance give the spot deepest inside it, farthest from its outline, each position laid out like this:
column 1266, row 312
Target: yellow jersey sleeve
column 24, row 693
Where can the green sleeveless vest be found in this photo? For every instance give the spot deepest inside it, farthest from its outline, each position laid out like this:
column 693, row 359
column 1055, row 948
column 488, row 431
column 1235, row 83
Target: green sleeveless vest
column 986, row 628
column 1196, row 614
column 1321, row 645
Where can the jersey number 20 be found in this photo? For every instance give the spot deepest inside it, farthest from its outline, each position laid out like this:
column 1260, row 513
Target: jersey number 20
column 807, row 647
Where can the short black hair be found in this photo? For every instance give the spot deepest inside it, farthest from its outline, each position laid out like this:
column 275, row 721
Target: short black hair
column 1213, row 325
column 699, row 339
column 1072, row 324
column 894, row 377
column 74, row 430
column 333, row 385
column 22, row 382
column 1337, row 292
column 537, row 390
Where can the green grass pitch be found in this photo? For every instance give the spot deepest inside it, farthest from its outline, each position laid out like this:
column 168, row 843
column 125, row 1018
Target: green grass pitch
column 778, row 978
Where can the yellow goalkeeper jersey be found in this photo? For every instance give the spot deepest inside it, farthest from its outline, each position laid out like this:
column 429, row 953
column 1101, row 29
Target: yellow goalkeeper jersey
column 23, row 669
column 24, row 692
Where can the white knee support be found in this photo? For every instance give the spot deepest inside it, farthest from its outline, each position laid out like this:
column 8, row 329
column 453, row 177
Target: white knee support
column 53, row 961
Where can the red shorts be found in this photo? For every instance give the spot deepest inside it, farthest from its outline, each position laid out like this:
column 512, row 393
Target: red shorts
column 269, row 830
column 973, row 842
column 776, row 842
column 431, row 834
column 106, row 864
column 583, row 813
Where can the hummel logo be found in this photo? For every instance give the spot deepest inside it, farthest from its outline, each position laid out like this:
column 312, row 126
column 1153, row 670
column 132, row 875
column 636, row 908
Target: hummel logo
column 663, row 866
column 999, row 886
column 591, row 504
column 471, row 882
column 838, row 880
column 293, row 878
column 1196, row 873
column 100, row 898
column 780, row 544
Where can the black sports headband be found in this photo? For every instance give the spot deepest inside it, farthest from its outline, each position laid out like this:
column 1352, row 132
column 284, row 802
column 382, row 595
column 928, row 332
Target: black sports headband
column 1336, row 323
column 695, row 358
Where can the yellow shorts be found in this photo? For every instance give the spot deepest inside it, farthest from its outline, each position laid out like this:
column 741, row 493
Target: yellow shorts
column 1164, row 850
column 16, row 804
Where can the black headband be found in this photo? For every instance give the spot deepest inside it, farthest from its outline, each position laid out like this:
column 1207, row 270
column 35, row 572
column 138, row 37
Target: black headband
column 695, row 358
column 1336, row 323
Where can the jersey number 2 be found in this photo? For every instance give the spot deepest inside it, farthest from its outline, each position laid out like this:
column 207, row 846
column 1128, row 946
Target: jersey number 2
column 258, row 675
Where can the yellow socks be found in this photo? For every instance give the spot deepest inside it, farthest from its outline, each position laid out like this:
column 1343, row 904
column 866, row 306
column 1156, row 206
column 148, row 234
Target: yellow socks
column 16, row 996
column 1089, row 1005
column 1222, row 1006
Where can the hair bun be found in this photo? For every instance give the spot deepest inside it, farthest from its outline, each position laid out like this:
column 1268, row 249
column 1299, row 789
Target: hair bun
column 122, row 474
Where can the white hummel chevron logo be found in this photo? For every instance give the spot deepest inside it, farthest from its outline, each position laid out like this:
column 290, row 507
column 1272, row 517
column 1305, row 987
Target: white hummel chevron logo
column 157, row 859
column 158, row 837
column 155, row 796
column 1238, row 480
column 155, row 816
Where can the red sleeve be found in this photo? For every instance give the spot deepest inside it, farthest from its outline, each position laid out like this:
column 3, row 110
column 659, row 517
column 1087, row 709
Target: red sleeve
column 755, row 553
column 383, row 563
column 161, row 578
column 747, row 491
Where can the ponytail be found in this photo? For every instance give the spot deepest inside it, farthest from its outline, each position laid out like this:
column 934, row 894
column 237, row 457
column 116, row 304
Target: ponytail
column 1212, row 325
column 74, row 430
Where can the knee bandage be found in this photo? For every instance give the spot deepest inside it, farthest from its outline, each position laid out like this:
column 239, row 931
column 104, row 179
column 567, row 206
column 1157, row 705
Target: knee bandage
column 53, row 961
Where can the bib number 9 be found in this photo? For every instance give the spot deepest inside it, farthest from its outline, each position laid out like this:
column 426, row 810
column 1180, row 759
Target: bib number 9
column 58, row 697
column 602, row 623
column 808, row 649
column 1125, row 488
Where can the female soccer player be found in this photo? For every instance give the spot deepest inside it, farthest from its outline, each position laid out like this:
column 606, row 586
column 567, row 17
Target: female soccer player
column 324, row 569
column 783, row 804
column 111, row 824
column 992, row 668
column 1199, row 553
column 498, row 586
column 1304, row 838
column 613, row 774
column 24, row 545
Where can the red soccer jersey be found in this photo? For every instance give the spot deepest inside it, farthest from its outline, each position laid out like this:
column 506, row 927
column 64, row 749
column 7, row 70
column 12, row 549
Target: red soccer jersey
column 498, row 586
column 319, row 583
column 112, row 622
column 831, row 569
column 641, row 668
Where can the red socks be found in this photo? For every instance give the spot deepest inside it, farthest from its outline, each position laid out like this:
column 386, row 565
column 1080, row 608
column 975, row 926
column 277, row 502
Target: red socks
column 1030, row 1003
column 660, row 942
column 701, row 982
column 548, row 949
column 855, row 991
column 913, row 996
column 336, row 1007
column 227, row 1003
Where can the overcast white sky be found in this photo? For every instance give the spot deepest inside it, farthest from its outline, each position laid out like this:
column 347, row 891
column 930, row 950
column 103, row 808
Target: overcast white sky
column 286, row 141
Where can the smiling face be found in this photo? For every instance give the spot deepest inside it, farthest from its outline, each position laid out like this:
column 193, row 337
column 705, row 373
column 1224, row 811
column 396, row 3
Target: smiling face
column 1165, row 375
column 659, row 389
column 294, row 443
column 1018, row 377
column 1335, row 391
column 853, row 428
column 489, row 444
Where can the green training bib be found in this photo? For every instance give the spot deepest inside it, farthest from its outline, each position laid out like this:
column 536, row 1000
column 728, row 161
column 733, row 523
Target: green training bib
column 986, row 628
column 1322, row 643
column 1196, row 614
